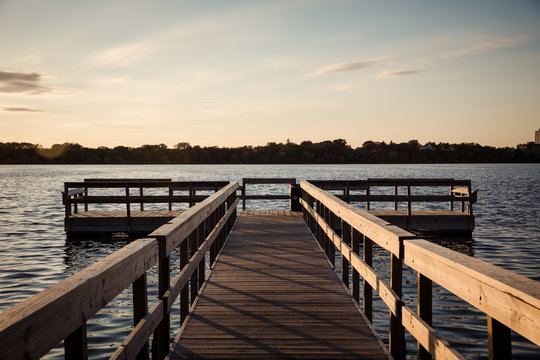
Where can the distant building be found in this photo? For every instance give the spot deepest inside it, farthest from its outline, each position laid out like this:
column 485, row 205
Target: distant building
column 427, row 147
column 532, row 147
column 537, row 137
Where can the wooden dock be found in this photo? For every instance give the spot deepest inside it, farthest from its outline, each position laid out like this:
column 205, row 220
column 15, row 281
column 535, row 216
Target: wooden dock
column 78, row 197
column 272, row 292
column 273, row 295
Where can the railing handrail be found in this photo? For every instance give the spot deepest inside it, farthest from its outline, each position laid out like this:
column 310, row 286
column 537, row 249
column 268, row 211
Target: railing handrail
column 33, row 327
column 510, row 300
column 383, row 233
column 517, row 298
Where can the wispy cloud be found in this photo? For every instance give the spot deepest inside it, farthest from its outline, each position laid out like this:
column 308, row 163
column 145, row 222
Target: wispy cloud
column 126, row 54
column 18, row 109
column 343, row 67
column 480, row 46
column 17, row 82
column 391, row 74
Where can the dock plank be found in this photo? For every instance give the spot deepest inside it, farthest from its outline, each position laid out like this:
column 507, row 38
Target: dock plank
column 273, row 295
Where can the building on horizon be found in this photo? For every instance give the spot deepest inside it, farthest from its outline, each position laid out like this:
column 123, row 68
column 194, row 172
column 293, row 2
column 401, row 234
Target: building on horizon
column 532, row 147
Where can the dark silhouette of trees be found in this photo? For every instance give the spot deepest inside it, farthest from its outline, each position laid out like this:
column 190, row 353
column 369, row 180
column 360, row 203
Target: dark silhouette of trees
column 307, row 152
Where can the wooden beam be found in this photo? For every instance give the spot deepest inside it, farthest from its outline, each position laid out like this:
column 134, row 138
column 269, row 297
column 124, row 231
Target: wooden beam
column 510, row 298
column 31, row 328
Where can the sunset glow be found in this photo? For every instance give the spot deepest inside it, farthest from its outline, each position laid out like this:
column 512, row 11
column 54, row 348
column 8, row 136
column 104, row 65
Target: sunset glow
column 231, row 73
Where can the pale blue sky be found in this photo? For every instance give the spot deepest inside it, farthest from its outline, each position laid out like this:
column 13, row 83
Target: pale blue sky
column 231, row 73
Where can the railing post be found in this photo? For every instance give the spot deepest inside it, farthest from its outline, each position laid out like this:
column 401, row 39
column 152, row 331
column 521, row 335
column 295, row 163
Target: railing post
column 331, row 247
column 75, row 205
column 128, row 203
column 425, row 304
column 355, row 274
column 396, row 192
column 346, row 236
column 368, row 291
column 85, row 200
column 76, row 344
column 194, row 281
column 67, row 200
column 368, row 192
column 397, row 334
column 295, row 193
column 171, row 193
column 452, row 197
column 140, row 308
column 499, row 340
column 141, row 195
column 319, row 209
column 201, row 236
column 409, row 207
column 184, row 292
column 160, row 345
column 244, row 194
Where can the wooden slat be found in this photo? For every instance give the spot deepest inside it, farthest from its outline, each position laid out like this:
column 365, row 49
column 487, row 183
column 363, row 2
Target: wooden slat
column 31, row 328
column 271, row 294
column 427, row 336
column 512, row 299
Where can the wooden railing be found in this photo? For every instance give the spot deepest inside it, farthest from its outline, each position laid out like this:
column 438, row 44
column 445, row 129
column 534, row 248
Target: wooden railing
column 246, row 181
column 76, row 193
column 33, row 327
column 459, row 191
column 509, row 300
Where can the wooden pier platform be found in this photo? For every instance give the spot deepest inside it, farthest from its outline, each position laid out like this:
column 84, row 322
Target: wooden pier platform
column 272, row 294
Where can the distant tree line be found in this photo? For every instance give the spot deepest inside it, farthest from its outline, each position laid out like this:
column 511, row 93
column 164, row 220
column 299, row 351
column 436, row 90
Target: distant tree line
column 307, row 152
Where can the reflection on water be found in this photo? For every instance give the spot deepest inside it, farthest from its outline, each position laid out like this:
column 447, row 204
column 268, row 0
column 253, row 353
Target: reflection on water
column 35, row 254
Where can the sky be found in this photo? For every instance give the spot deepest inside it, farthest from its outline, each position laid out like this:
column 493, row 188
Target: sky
column 233, row 73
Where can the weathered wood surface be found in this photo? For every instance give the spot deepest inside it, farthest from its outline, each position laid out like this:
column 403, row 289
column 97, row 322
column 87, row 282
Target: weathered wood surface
column 29, row 329
column 512, row 299
column 273, row 295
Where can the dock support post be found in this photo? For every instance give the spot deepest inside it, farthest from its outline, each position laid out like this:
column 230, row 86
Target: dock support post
column 424, row 310
column 499, row 340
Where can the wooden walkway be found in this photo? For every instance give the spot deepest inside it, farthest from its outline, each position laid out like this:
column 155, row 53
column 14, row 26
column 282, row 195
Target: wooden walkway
column 273, row 295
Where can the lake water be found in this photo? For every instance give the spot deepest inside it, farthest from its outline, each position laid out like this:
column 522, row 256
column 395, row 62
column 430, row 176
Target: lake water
column 35, row 253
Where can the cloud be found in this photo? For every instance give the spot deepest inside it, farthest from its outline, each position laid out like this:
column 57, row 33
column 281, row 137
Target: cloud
column 17, row 109
column 390, row 74
column 480, row 46
column 343, row 67
column 125, row 55
column 16, row 82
